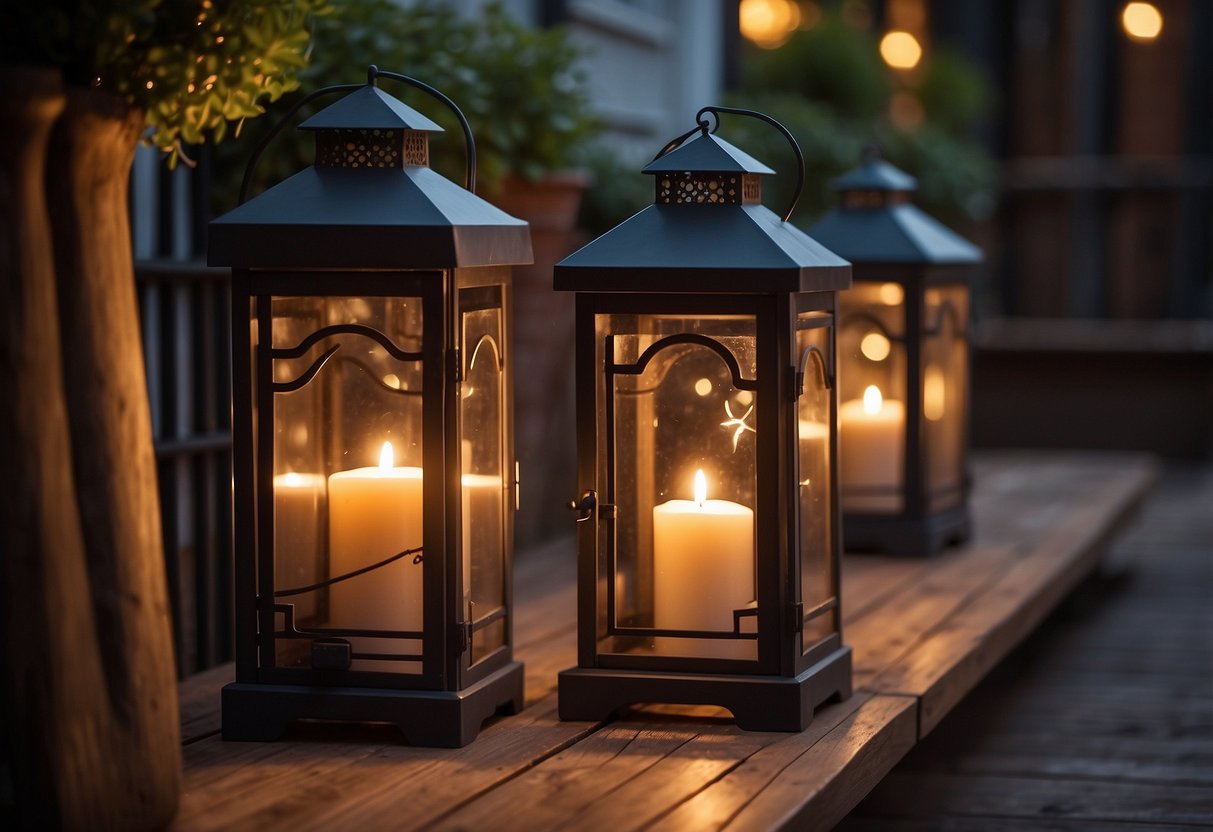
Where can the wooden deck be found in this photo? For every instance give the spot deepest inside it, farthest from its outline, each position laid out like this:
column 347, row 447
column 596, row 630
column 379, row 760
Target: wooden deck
column 924, row 633
column 1102, row 719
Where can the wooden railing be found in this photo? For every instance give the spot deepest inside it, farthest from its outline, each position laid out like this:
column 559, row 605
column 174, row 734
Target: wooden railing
column 184, row 314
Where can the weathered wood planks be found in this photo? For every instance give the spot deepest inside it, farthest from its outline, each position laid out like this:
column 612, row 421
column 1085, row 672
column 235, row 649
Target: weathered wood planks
column 924, row 633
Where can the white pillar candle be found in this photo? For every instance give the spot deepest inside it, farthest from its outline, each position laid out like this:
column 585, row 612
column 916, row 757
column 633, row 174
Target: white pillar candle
column 871, row 451
column 373, row 514
column 703, row 569
column 297, row 501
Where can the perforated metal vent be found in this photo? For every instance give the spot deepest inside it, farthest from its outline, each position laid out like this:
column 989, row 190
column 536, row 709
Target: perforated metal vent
column 416, row 147
column 700, row 188
column 359, row 148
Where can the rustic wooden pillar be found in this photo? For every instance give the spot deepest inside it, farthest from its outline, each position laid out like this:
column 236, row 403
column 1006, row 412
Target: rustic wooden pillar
column 134, row 749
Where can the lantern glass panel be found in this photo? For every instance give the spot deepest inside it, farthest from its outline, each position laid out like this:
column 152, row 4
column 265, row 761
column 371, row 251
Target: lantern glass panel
column 813, row 477
column 945, row 375
column 682, row 474
column 347, row 476
column 485, row 479
column 872, row 396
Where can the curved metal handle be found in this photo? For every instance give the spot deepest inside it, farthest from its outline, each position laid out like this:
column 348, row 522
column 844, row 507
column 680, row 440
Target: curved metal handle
column 584, row 505
column 469, row 143
column 702, row 125
column 373, row 72
column 277, row 128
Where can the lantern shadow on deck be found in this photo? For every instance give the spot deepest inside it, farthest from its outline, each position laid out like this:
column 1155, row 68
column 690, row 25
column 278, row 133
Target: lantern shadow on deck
column 904, row 355
column 708, row 535
column 373, row 440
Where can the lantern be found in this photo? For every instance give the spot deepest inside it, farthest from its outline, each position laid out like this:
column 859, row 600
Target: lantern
column 903, row 345
column 374, row 476
column 708, row 541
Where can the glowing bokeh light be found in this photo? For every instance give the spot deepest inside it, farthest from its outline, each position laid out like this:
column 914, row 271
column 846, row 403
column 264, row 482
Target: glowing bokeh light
column 1141, row 21
column 900, row 50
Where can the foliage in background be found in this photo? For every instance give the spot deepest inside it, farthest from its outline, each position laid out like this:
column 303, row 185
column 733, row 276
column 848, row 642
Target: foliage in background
column 830, row 88
column 194, row 69
column 518, row 87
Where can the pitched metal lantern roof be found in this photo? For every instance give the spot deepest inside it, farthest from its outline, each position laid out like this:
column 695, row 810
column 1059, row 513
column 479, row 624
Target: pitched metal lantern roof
column 370, row 201
column 707, row 233
column 871, row 226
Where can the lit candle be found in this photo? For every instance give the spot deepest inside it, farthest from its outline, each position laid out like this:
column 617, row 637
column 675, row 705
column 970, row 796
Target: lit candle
column 373, row 514
column 703, row 568
column 871, row 449
column 297, row 503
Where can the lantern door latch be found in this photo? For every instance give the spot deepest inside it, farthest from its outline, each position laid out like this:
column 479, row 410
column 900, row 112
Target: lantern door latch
column 584, row 505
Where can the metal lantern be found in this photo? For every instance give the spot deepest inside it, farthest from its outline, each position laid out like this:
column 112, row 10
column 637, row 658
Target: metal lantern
column 708, row 541
column 903, row 346
column 374, row 472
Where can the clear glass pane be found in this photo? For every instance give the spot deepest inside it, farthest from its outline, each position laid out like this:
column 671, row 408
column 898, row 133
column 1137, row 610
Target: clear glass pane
column 347, row 474
column 945, row 398
column 685, row 483
column 872, row 396
column 813, row 474
column 485, row 484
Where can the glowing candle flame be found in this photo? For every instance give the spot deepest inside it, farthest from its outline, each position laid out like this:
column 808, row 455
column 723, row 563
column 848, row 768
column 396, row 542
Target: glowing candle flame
column 701, row 488
column 292, row 480
column 387, row 459
column 872, row 400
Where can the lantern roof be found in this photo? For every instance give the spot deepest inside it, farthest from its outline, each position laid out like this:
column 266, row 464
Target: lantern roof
column 709, row 153
column 869, row 226
column 875, row 174
column 371, row 201
column 369, row 108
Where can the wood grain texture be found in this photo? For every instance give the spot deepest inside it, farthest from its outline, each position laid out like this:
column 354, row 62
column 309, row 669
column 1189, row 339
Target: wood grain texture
column 1103, row 718
column 937, row 623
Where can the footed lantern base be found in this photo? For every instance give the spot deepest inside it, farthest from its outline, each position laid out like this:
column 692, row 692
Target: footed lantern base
column 442, row 719
column 758, row 703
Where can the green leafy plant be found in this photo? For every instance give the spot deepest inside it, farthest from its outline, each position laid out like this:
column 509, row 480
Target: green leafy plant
column 519, row 88
column 193, row 68
column 829, row 86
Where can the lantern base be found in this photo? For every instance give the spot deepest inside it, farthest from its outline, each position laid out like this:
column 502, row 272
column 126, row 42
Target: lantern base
column 441, row 719
column 758, row 703
column 899, row 535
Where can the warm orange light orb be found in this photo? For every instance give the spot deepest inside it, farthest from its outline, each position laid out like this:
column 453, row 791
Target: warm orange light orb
column 900, row 50
column 1141, row 21
column 768, row 23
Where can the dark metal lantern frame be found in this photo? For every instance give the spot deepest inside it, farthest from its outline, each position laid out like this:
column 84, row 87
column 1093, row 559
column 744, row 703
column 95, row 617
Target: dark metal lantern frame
column 891, row 242
column 367, row 231
column 704, row 270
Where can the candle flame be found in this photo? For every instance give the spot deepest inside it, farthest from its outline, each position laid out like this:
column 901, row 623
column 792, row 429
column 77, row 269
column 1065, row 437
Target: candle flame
column 872, row 400
column 387, row 459
column 292, row 480
column 701, row 488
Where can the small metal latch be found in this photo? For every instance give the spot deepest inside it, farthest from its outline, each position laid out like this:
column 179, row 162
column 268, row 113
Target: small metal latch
column 584, row 505
column 795, row 618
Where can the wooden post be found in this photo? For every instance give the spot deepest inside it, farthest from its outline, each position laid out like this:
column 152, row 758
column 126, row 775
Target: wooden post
column 95, row 728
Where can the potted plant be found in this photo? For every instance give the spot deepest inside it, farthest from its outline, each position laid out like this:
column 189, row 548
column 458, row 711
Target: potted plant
column 89, row 680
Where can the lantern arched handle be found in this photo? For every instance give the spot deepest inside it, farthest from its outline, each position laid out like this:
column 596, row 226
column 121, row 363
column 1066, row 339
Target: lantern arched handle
column 702, row 126
column 469, row 142
column 716, row 110
column 277, row 128
column 373, row 73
